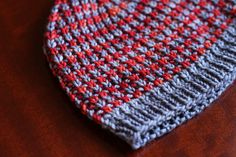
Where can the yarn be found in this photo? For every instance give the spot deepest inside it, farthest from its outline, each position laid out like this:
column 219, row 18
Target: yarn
column 141, row 68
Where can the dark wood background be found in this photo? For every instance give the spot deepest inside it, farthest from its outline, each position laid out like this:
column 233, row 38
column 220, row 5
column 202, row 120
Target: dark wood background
column 37, row 118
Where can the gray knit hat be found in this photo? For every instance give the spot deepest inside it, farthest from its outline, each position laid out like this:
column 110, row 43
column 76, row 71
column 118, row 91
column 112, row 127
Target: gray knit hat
column 141, row 68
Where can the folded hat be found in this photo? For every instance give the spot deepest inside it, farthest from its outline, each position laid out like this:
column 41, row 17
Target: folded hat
column 141, row 68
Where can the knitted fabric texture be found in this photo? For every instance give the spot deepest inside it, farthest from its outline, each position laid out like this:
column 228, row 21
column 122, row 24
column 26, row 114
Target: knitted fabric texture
column 140, row 68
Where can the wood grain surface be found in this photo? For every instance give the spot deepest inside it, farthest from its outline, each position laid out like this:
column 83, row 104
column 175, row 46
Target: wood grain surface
column 37, row 119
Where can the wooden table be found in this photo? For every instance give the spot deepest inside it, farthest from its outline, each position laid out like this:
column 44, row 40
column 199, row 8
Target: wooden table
column 37, row 118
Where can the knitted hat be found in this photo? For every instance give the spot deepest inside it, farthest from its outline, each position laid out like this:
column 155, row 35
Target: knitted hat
column 141, row 68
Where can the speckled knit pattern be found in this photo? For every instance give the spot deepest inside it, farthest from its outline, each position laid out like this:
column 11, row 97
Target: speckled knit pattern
column 140, row 68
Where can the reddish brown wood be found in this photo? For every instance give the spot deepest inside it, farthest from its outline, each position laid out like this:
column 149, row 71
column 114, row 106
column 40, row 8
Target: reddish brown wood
column 37, row 118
